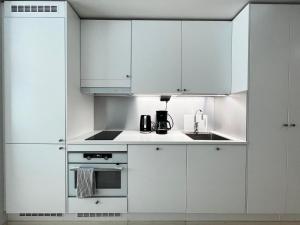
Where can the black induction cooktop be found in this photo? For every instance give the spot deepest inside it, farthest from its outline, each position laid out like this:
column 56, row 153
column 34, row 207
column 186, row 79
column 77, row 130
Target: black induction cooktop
column 105, row 135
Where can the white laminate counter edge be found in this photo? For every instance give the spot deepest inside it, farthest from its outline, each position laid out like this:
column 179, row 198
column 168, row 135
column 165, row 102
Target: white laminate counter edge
column 137, row 138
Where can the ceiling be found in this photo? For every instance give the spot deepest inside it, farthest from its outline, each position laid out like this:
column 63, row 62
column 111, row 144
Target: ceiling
column 163, row 9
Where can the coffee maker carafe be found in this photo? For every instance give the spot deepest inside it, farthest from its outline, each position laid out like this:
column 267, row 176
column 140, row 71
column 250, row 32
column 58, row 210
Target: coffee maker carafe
column 162, row 123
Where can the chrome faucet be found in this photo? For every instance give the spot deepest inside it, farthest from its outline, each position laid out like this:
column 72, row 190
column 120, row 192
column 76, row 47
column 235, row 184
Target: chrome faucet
column 195, row 120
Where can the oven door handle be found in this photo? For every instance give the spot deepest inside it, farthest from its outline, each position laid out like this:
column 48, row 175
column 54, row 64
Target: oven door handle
column 103, row 169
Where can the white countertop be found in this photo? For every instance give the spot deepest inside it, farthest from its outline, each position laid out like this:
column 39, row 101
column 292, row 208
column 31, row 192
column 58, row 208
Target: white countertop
column 135, row 137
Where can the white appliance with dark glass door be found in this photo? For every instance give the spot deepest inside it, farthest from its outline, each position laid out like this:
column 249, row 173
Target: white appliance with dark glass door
column 110, row 170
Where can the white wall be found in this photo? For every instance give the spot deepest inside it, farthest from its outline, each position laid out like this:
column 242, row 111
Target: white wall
column 2, row 216
column 124, row 112
column 230, row 115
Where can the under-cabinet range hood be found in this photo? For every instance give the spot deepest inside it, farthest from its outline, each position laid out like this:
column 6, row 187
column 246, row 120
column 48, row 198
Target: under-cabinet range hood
column 106, row 91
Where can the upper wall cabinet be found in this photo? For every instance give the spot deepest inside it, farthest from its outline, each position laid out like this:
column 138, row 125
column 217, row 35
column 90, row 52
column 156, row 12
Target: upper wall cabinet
column 105, row 53
column 240, row 46
column 206, row 57
column 156, row 57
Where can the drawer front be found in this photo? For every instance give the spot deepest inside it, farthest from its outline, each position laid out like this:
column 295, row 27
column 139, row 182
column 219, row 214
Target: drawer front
column 98, row 205
column 158, row 147
column 216, row 147
column 216, row 178
column 157, row 178
column 97, row 148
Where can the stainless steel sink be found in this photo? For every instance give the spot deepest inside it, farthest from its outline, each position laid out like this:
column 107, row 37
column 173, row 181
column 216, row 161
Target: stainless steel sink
column 206, row 136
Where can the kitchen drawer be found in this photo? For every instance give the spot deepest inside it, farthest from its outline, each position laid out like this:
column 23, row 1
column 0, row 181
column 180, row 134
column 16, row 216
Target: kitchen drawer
column 217, row 147
column 104, row 205
column 97, row 148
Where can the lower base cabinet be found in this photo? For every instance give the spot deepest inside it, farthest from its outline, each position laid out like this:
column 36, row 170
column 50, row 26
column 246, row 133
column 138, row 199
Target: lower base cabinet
column 156, row 178
column 35, row 178
column 97, row 205
column 216, row 178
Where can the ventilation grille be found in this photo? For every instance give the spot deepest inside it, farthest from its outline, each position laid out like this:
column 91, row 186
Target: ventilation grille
column 98, row 214
column 34, row 8
column 42, row 214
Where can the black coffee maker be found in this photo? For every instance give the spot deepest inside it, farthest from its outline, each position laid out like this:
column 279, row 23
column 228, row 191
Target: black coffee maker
column 162, row 123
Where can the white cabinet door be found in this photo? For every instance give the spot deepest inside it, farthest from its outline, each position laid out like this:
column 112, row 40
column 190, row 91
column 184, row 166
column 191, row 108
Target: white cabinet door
column 157, row 178
column 156, row 56
column 293, row 165
column 216, row 178
column 34, row 80
column 268, row 106
column 34, row 178
column 206, row 57
column 240, row 51
column 105, row 53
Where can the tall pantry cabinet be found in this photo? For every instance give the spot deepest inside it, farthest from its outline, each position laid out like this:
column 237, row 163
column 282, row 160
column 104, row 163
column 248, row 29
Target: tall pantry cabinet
column 2, row 215
column 41, row 104
column 274, row 109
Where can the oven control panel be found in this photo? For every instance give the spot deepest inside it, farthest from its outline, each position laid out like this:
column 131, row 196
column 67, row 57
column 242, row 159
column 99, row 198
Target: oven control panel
column 90, row 156
column 97, row 157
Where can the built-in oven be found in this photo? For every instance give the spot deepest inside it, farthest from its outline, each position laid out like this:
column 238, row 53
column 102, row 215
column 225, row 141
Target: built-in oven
column 110, row 172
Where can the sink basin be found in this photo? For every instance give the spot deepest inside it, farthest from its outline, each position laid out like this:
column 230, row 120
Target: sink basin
column 206, row 136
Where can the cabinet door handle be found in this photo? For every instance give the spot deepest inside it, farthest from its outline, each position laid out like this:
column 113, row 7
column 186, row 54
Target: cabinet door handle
column 178, row 90
column 292, row 125
column 285, row 125
column 218, row 148
column 127, row 76
column 97, row 202
column 61, row 148
column 157, row 148
column 184, row 89
column 61, row 140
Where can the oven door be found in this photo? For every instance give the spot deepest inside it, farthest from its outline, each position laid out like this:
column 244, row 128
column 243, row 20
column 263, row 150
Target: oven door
column 111, row 179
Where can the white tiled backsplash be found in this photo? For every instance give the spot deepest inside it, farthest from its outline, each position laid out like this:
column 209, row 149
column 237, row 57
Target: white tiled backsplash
column 124, row 112
column 231, row 115
column 226, row 114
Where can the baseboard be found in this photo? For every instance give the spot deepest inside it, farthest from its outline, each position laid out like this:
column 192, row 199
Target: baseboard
column 67, row 217
column 156, row 216
column 232, row 217
column 180, row 217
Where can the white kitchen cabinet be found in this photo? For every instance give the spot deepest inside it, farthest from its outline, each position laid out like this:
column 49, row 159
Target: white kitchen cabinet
column 293, row 141
column 156, row 57
column 42, row 99
column 34, row 79
column 156, row 178
column 216, row 178
column 97, row 205
column 240, row 51
column 2, row 207
column 274, row 110
column 105, row 53
column 206, row 57
column 35, row 178
column 268, row 108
